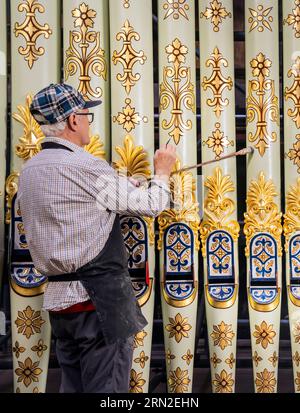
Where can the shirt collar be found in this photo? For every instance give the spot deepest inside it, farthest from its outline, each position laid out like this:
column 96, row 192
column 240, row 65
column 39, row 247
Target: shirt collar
column 64, row 142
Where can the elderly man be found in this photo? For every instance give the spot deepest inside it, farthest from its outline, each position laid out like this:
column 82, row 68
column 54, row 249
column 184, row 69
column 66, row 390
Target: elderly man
column 70, row 203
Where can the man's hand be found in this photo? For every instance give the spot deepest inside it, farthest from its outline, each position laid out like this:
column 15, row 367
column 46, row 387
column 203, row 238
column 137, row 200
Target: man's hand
column 164, row 160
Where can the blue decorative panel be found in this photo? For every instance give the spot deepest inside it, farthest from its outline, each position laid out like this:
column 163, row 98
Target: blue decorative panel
column 294, row 255
column 221, row 292
column 179, row 291
column 26, row 276
column 263, row 258
column 263, row 295
column 295, row 291
column 220, row 256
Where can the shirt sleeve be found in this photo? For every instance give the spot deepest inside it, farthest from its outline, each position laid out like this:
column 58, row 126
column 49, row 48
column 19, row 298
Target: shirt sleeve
column 117, row 194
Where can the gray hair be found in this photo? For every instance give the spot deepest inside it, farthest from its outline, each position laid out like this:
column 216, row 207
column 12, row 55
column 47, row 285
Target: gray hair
column 55, row 129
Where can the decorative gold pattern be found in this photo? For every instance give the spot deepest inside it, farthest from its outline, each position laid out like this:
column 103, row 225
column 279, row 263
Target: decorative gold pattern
column 223, row 382
column 293, row 92
column 294, row 19
column 177, row 91
column 292, row 215
column 230, row 360
column 297, row 381
column 29, row 322
column 264, row 334
column 216, row 13
column 256, row 358
column 139, row 339
column 176, row 8
column 126, row 4
column 28, row 372
column 215, row 360
column 129, row 118
column 222, row 335
column 273, row 359
column 32, row 134
column 262, row 212
column 95, row 147
column 178, row 381
column 188, row 357
column 85, row 53
column 183, row 187
column 218, row 141
column 39, row 348
column 142, row 359
column 136, row 382
column 296, row 358
column 294, row 153
column 11, row 188
column 178, row 327
column 31, row 30
column 260, row 18
column 264, row 105
column 218, row 207
column 217, row 82
column 128, row 57
column 265, row 381
column 296, row 333
column 17, row 349
column 169, row 356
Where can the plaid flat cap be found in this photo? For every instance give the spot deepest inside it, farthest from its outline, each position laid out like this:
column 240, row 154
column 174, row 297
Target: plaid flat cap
column 55, row 103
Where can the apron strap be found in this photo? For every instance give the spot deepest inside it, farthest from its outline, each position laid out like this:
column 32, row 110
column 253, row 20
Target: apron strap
column 54, row 145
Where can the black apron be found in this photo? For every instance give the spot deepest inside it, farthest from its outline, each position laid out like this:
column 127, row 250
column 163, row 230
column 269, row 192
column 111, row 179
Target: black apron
column 107, row 281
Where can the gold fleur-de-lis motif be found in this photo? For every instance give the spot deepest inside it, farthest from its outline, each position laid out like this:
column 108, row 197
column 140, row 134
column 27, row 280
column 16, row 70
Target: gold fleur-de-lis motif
column 84, row 54
column 28, row 372
column 293, row 92
column 264, row 334
column 177, row 91
column 176, row 8
column 296, row 332
column 136, row 382
column 17, row 349
column 256, row 358
column 95, row 147
column 128, row 57
column 296, row 358
column 32, row 134
column 178, row 327
column 126, row 4
column 169, row 356
column 263, row 106
column 29, row 322
column 188, row 357
column 223, row 382
column 183, row 187
column 129, row 118
column 293, row 19
column 218, row 141
column 222, row 335
column 142, row 359
column 218, row 207
column 178, row 381
column 292, row 213
column 297, row 381
column 294, row 153
column 217, row 82
column 230, row 361
column 265, row 381
column 262, row 212
column 31, row 30
column 216, row 13
column 273, row 359
column 215, row 360
column 11, row 188
column 260, row 18
column 139, row 339
column 39, row 348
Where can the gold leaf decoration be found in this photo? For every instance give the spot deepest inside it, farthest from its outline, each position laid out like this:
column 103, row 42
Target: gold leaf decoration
column 28, row 372
column 291, row 221
column 39, row 348
column 297, row 381
column 84, row 54
column 183, row 187
column 29, row 322
column 264, row 334
column 262, row 104
column 273, row 359
column 95, row 147
column 292, row 92
column 215, row 360
column 139, row 339
column 260, row 18
column 126, row 4
column 296, row 358
column 217, row 82
column 128, row 57
column 136, row 382
column 17, row 349
column 218, row 141
column 294, row 153
column 218, row 207
column 31, row 30
column 176, row 8
column 178, row 381
column 256, row 358
column 223, row 382
column 265, row 381
column 142, row 359
column 230, row 361
column 222, row 335
column 188, row 357
column 216, row 13
column 178, row 327
column 262, row 212
column 177, row 91
column 169, row 356
column 11, row 188
column 129, row 118
column 293, row 19
column 32, row 134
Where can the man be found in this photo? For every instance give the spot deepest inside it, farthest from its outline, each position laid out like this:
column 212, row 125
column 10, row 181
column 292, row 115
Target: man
column 70, row 203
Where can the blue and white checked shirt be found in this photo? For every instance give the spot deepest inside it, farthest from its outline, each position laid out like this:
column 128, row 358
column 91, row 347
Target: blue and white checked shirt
column 67, row 219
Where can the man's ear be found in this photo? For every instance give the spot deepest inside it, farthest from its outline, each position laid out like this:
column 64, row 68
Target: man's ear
column 72, row 123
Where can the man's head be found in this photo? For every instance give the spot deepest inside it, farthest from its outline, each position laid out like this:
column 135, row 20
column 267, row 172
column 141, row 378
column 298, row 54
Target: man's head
column 62, row 111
